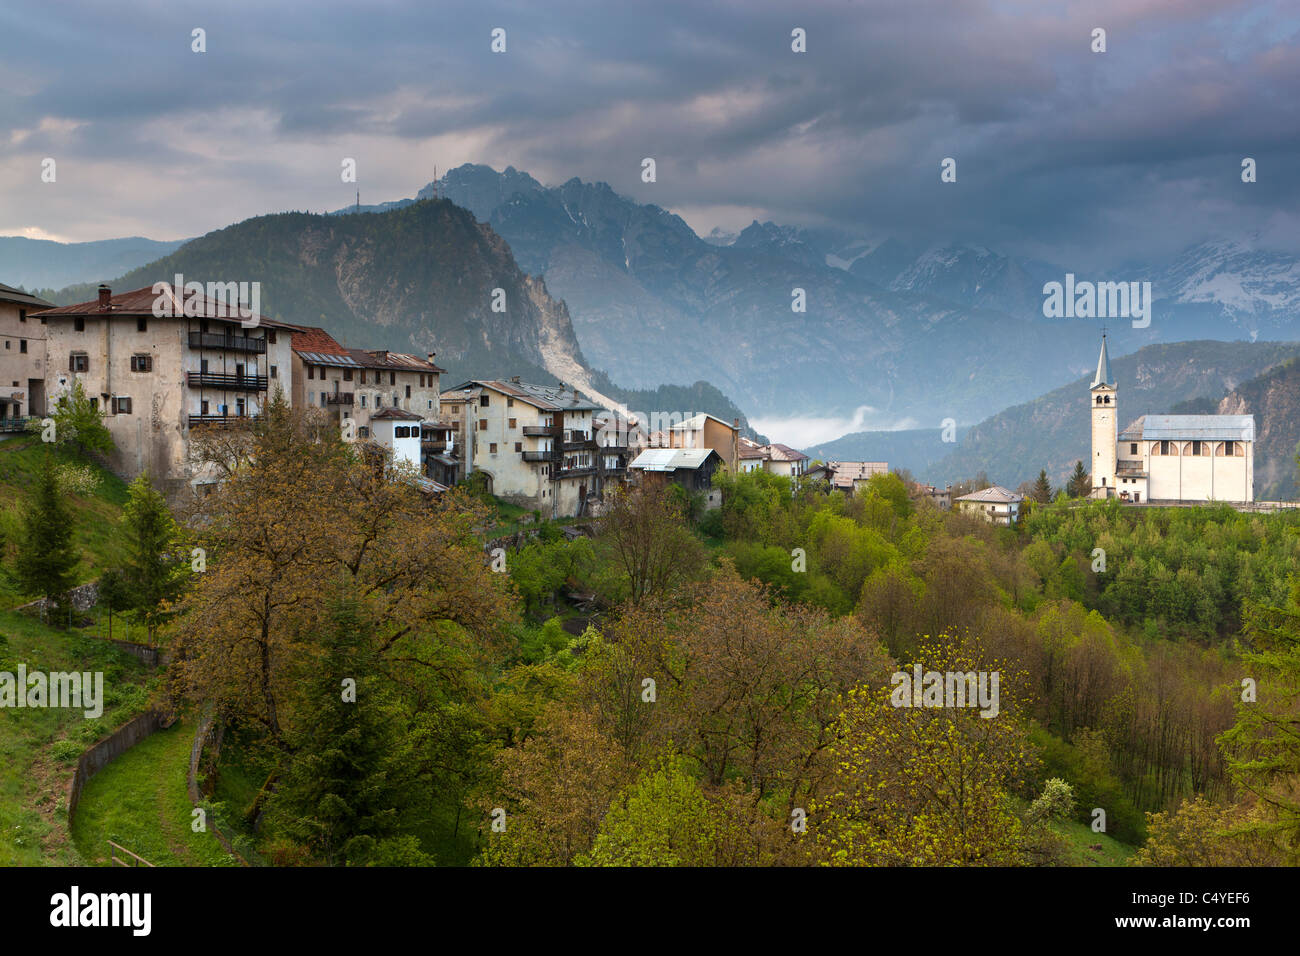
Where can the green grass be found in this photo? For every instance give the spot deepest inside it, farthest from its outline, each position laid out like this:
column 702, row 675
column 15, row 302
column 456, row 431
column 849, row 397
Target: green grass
column 97, row 514
column 1080, row 838
column 140, row 801
column 39, row 747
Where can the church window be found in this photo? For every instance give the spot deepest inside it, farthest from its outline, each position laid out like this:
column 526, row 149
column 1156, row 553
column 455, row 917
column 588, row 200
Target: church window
column 1230, row 448
column 1098, row 399
column 1107, row 399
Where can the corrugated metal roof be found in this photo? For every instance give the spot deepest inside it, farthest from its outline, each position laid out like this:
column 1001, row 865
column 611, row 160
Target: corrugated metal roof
column 1197, row 427
column 329, row 358
column 671, row 459
column 140, row 302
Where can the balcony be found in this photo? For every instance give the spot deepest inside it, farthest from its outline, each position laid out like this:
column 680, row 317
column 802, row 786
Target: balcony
column 233, row 383
column 552, row 455
column 576, row 471
column 435, row 445
column 222, row 419
column 229, row 343
column 338, row 398
column 539, row 431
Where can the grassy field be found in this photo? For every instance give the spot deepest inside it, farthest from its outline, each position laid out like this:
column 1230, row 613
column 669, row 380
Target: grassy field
column 140, row 801
column 97, row 513
column 1081, row 839
column 39, row 747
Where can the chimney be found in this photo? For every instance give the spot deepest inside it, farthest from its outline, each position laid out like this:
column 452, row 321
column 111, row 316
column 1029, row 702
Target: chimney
column 431, row 355
column 514, row 379
column 105, row 293
column 735, row 423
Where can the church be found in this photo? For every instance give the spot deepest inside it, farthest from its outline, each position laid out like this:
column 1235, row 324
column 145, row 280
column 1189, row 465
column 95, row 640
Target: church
column 1168, row 459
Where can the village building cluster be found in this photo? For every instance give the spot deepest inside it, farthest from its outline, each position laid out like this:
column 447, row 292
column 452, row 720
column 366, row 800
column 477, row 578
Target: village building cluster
column 159, row 379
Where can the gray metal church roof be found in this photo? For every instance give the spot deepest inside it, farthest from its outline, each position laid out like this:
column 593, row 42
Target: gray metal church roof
column 1191, row 427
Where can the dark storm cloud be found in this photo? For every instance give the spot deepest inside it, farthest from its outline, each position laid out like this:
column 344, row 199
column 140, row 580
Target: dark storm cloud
column 1059, row 150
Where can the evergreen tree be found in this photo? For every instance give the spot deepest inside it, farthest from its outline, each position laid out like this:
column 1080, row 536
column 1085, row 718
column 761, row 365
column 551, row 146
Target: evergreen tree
column 338, row 797
column 1042, row 489
column 1080, row 483
column 47, row 558
column 154, row 570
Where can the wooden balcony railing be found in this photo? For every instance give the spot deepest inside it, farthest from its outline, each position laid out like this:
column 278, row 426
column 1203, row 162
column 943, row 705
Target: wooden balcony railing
column 222, row 419
column 232, row 343
column 234, row 383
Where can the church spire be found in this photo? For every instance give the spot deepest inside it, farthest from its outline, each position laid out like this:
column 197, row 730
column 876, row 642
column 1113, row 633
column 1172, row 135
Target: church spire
column 1103, row 366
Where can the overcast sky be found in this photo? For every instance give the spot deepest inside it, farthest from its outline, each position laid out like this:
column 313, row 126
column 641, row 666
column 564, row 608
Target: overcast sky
column 1061, row 152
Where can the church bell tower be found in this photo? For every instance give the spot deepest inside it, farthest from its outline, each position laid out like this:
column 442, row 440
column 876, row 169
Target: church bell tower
column 1104, row 427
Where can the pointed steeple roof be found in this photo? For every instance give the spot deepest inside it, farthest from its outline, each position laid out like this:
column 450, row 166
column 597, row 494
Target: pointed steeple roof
column 1103, row 367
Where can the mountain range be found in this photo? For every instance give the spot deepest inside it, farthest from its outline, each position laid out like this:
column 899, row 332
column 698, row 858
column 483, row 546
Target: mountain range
column 900, row 334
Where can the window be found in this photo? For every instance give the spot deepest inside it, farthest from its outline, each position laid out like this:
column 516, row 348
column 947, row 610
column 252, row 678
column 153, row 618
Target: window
column 78, row 325
column 22, row 346
column 512, row 422
column 483, row 401
column 1133, row 448
column 274, row 372
column 311, row 371
column 1196, row 448
column 455, row 425
column 363, row 401
column 408, row 391
column 270, row 336
column 203, row 410
column 142, row 363
column 510, row 403
column 492, row 448
column 8, row 344
column 395, row 399
column 1230, row 448
column 22, row 315
column 519, row 446
column 392, row 378
column 431, row 403
column 142, row 324
column 121, row 406
column 78, row 362
column 364, row 431
column 363, row 377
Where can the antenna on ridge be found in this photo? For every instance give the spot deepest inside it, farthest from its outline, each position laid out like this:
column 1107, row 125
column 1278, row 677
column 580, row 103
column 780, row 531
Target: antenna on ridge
column 358, row 200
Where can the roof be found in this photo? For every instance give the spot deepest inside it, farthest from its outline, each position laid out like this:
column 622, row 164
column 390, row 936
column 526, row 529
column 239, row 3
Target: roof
column 696, row 422
column 139, row 302
column 993, row 495
column 397, row 414
column 1191, row 427
column 785, row 453
column 847, row 472
column 1103, row 367
column 671, row 459
column 318, row 347
column 9, row 294
column 549, row 398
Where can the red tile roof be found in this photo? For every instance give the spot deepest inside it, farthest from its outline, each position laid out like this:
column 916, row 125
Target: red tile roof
column 312, row 339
